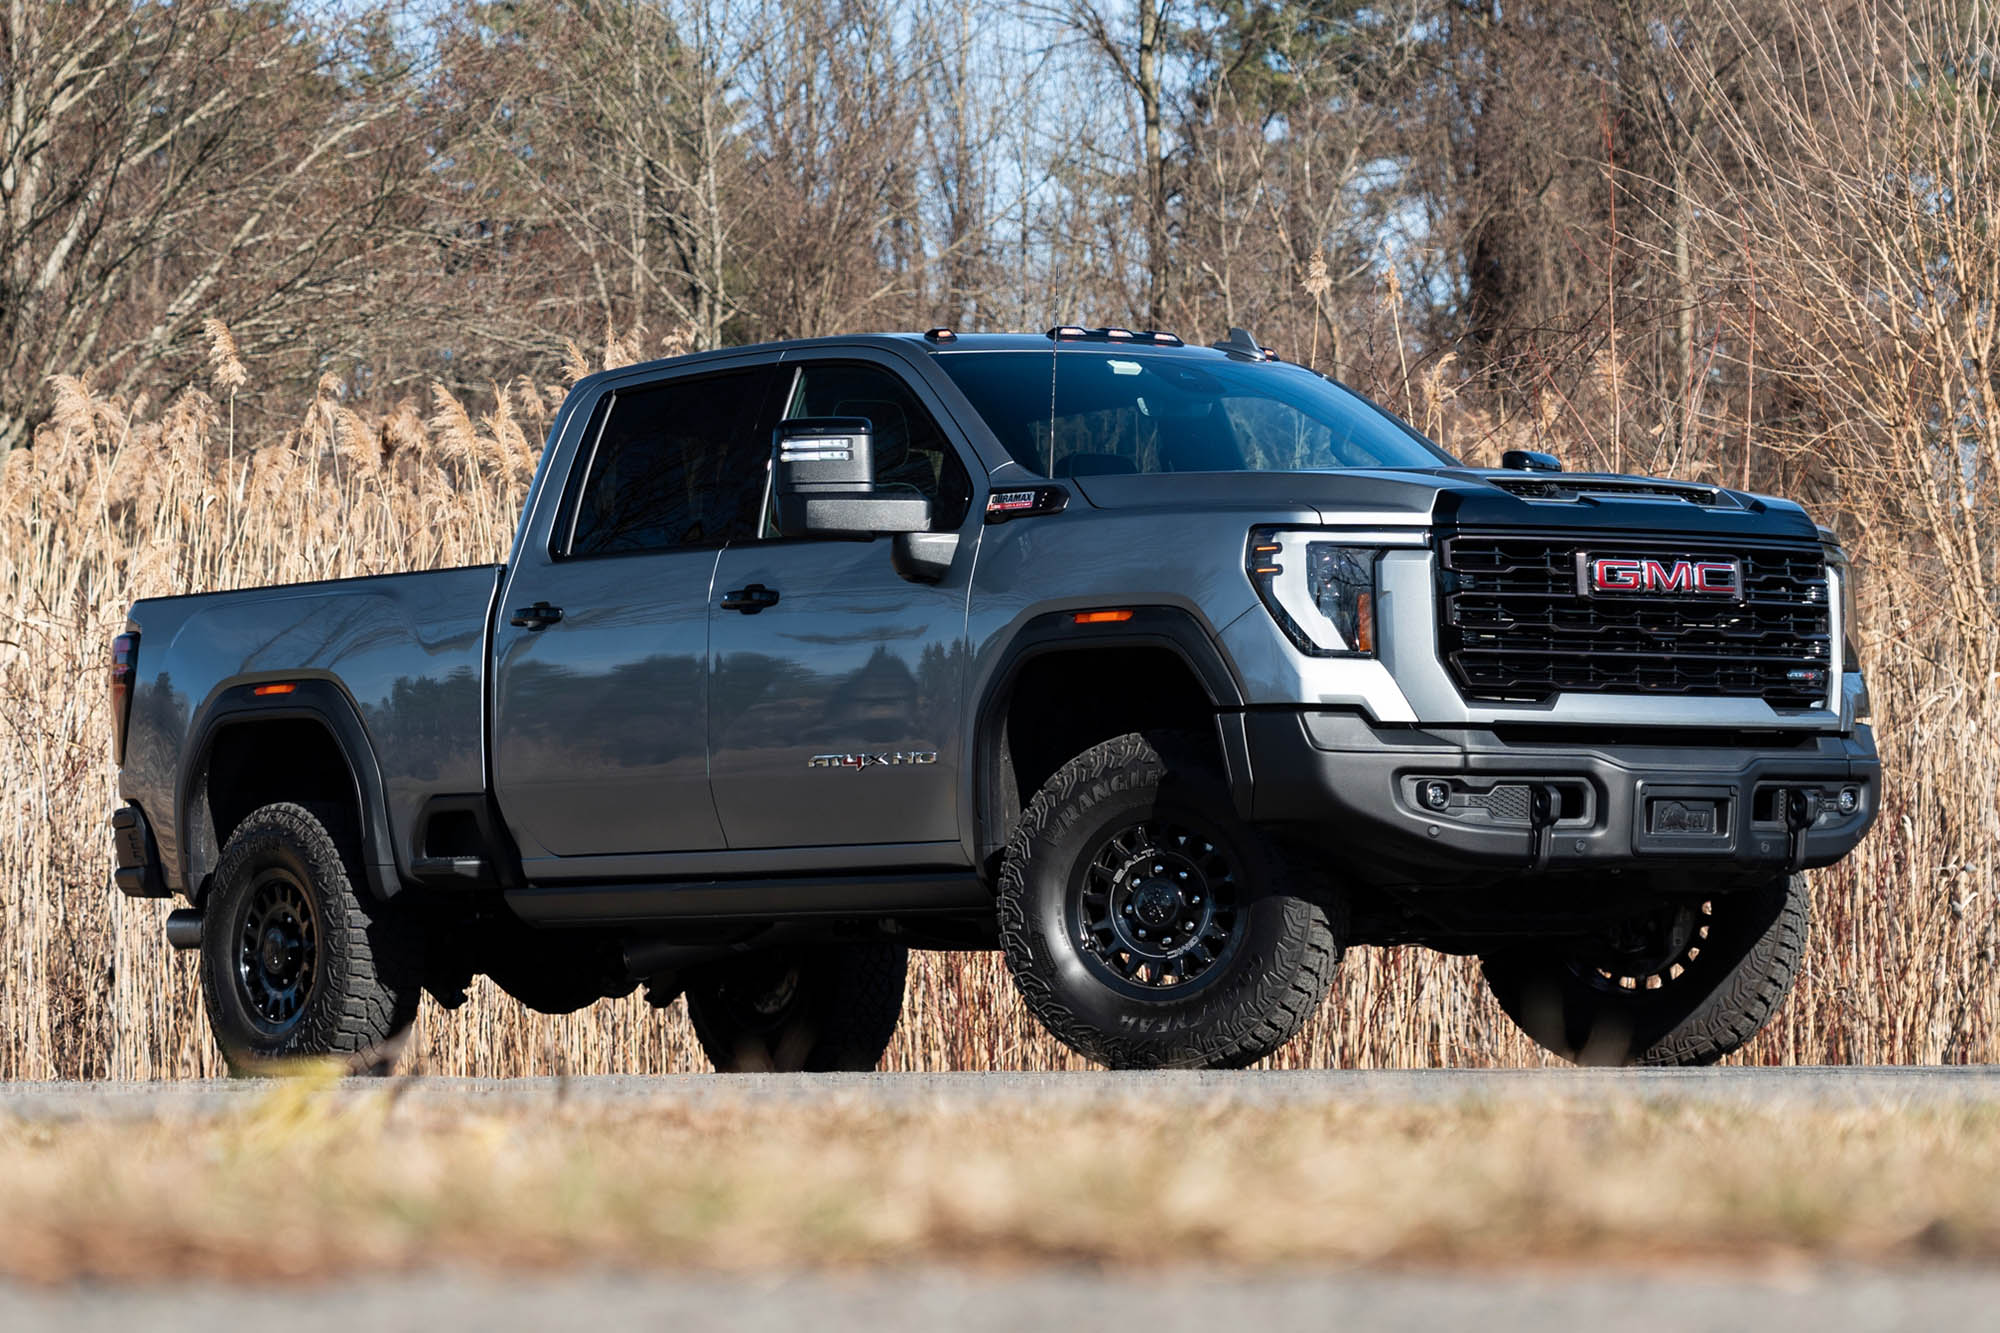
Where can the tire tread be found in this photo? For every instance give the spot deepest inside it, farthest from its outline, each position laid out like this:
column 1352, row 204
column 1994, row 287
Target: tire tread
column 373, row 952
column 1309, row 948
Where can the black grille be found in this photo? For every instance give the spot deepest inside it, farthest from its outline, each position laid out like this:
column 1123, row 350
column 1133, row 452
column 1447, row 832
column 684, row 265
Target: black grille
column 1515, row 625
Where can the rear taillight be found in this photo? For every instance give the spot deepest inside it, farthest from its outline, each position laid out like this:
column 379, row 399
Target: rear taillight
column 124, row 674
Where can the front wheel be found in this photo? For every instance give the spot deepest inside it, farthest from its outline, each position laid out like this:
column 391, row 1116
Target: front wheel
column 1686, row 986
column 1147, row 925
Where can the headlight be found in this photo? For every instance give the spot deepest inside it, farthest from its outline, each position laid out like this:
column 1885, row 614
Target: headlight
column 1321, row 593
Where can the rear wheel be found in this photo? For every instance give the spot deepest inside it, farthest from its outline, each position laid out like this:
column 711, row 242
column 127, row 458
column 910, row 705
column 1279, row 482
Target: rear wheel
column 550, row 971
column 295, row 961
column 1147, row 926
column 816, row 1009
column 1686, row 986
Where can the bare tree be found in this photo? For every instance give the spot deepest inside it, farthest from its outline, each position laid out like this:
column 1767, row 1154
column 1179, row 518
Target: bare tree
column 1133, row 52
column 148, row 151
column 616, row 129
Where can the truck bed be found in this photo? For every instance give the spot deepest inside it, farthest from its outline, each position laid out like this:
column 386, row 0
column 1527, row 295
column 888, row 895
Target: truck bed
column 406, row 650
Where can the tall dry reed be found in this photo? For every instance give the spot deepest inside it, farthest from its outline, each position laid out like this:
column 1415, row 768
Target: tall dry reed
column 118, row 501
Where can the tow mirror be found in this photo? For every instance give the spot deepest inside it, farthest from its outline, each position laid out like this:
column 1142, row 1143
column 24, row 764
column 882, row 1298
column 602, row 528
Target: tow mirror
column 823, row 481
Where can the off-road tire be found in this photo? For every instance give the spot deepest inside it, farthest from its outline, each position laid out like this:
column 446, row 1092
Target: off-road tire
column 818, row 1009
column 367, row 960
column 1287, row 946
column 1724, row 997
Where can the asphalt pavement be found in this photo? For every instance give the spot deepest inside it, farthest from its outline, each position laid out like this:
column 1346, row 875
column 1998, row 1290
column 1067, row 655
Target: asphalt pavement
column 1825, row 1301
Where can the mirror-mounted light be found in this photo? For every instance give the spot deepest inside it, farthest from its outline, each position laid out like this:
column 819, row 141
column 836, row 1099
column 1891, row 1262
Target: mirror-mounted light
column 823, row 481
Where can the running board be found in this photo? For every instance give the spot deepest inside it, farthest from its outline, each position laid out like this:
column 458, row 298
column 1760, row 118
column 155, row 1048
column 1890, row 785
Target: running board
column 956, row 891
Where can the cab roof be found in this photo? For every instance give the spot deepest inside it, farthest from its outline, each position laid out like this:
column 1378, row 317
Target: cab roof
column 1240, row 347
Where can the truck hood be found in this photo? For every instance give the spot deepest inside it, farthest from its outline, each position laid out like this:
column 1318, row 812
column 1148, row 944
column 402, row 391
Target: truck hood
column 1463, row 497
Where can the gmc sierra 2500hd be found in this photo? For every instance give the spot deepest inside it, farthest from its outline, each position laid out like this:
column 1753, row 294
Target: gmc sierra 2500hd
column 1169, row 671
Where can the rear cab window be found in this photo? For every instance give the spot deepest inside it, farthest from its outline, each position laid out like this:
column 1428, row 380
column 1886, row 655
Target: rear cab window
column 674, row 465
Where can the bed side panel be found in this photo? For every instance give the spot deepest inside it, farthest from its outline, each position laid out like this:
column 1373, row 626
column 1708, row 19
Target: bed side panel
column 408, row 649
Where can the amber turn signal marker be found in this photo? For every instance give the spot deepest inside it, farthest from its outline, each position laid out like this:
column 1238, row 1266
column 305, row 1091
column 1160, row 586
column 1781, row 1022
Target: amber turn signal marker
column 1101, row 617
column 1364, row 623
column 282, row 687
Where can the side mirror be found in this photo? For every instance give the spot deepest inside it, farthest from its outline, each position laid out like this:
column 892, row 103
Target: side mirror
column 823, row 481
column 1530, row 460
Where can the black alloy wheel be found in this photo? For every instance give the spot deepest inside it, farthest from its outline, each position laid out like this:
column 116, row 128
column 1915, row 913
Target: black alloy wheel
column 1649, row 953
column 1682, row 986
column 277, row 950
column 1148, row 926
column 1156, row 908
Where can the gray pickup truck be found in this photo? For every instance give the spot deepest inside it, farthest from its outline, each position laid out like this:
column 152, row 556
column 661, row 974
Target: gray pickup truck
column 1169, row 671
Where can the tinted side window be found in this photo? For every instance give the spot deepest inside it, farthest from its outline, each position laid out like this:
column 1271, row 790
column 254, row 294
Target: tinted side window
column 911, row 452
column 676, row 465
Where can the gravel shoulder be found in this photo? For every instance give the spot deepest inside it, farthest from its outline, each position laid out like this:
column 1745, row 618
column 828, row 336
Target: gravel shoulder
column 1840, row 1301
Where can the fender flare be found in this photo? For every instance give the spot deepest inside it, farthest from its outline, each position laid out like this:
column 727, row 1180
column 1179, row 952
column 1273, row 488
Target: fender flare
column 1172, row 628
column 313, row 700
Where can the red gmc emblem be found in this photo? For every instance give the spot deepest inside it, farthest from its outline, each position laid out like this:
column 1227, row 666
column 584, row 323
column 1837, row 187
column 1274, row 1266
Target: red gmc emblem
column 1630, row 574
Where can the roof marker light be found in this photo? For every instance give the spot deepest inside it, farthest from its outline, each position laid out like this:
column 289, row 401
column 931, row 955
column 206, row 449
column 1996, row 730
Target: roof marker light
column 1113, row 334
column 1101, row 617
column 281, row 687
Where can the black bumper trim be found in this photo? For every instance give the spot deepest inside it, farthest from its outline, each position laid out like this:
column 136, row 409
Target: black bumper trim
column 1357, row 786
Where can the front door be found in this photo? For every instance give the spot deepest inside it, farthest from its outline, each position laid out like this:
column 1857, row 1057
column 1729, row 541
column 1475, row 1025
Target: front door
column 834, row 711
column 600, row 703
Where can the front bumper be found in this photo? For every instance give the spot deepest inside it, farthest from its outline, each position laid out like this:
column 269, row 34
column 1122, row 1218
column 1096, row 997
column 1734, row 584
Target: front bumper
column 1518, row 803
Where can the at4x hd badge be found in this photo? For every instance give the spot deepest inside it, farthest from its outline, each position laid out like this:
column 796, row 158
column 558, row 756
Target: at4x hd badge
column 860, row 761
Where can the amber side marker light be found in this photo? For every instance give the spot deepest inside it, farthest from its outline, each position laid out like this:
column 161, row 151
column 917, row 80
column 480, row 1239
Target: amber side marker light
column 1364, row 623
column 282, row 687
column 1101, row 617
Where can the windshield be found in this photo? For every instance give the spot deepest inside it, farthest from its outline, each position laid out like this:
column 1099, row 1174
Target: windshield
column 1081, row 412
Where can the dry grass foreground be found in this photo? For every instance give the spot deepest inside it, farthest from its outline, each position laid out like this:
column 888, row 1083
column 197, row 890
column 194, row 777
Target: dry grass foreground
column 304, row 1182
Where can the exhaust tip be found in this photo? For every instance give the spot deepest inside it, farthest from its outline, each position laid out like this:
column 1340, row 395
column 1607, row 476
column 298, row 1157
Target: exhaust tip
column 184, row 928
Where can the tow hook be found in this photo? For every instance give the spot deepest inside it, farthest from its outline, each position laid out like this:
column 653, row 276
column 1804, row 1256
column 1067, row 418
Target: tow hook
column 1801, row 809
column 184, row 928
column 1544, row 808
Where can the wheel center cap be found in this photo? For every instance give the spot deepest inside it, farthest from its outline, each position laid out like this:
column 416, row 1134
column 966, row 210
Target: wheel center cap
column 1155, row 901
column 277, row 952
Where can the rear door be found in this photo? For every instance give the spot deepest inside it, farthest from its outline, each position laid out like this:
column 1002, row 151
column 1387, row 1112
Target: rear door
column 600, row 705
column 834, row 711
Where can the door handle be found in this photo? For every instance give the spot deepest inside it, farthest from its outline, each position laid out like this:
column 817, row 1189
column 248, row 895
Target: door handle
column 539, row 616
column 750, row 600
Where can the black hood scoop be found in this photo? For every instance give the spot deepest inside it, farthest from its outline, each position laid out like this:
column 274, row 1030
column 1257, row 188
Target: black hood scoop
column 1578, row 487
